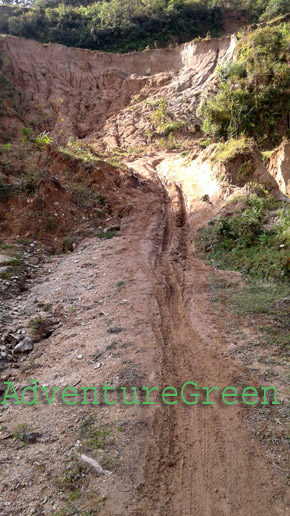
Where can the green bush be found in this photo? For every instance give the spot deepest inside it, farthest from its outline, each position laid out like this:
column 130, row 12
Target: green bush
column 117, row 25
column 276, row 8
column 254, row 91
column 123, row 25
column 232, row 148
column 255, row 240
column 6, row 190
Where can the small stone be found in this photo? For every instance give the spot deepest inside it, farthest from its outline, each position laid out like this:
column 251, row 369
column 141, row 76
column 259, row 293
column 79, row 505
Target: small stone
column 3, row 352
column 10, row 338
column 24, row 346
column 6, row 259
column 33, row 260
column 79, row 357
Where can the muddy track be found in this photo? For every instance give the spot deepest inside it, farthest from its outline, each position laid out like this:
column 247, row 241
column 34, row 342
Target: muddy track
column 200, row 460
column 148, row 285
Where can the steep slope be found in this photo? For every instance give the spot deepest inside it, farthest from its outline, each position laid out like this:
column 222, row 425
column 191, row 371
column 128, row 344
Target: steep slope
column 136, row 311
column 74, row 92
column 133, row 310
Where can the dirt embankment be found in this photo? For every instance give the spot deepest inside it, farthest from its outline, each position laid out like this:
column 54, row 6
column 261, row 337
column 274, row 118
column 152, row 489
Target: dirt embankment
column 74, row 92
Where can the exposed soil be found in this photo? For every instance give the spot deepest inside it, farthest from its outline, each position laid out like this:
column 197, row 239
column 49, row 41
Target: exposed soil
column 106, row 98
column 141, row 298
column 132, row 310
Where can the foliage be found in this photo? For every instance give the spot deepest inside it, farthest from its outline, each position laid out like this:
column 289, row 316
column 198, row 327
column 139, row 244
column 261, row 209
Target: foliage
column 123, row 25
column 42, row 140
column 106, row 235
column 163, row 121
column 255, row 240
column 117, row 25
column 27, row 132
column 5, row 147
column 276, row 8
column 95, row 436
column 6, row 190
column 232, row 148
column 77, row 149
column 254, row 91
column 6, row 92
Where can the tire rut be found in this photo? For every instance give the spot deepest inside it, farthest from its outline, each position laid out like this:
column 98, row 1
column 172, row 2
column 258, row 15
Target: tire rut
column 196, row 463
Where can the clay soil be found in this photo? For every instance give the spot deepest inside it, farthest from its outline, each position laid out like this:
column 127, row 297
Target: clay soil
column 135, row 310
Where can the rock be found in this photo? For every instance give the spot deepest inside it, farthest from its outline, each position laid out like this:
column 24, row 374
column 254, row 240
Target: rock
column 33, row 260
column 44, row 329
column 112, row 228
column 6, row 259
column 10, row 339
column 24, row 346
column 3, row 352
column 278, row 166
column 30, row 437
column 95, row 465
column 5, row 355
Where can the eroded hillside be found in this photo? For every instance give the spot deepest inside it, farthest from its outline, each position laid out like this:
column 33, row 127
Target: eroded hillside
column 119, row 188
column 106, row 98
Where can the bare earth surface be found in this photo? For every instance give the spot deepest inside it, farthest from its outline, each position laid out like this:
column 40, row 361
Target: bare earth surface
column 135, row 311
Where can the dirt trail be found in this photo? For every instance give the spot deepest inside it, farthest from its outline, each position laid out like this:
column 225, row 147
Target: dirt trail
column 142, row 300
column 201, row 460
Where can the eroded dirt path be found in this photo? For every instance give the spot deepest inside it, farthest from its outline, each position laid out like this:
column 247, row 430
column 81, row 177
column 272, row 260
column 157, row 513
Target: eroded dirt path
column 140, row 302
column 201, row 461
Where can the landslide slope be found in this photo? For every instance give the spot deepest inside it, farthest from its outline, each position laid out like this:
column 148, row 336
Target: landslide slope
column 134, row 310
column 99, row 96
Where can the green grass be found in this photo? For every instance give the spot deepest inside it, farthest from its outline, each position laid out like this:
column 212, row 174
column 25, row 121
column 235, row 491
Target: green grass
column 36, row 323
column 76, row 149
column 106, row 235
column 93, row 436
column 254, row 241
column 249, row 241
column 264, row 302
column 232, row 148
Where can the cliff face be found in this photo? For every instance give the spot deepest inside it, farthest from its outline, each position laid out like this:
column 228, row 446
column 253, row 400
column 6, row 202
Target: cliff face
column 75, row 92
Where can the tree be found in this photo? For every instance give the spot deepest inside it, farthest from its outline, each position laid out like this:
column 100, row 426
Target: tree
column 276, row 8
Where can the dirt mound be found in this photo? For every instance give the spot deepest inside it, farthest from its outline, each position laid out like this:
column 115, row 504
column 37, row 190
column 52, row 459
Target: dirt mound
column 64, row 199
column 241, row 169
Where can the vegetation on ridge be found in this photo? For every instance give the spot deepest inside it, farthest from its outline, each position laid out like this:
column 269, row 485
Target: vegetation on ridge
column 123, row 25
column 253, row 91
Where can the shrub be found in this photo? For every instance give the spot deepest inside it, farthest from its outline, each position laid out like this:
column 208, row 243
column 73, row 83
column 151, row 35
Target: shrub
column 255, row 240
column 276, row 8
column 42, row 140
column 232, row 148
column 6, row 190
column 254, row 91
